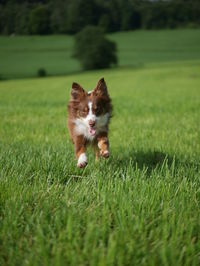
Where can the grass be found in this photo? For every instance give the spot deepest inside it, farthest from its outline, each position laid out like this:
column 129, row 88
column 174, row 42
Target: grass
column 148, row 47
column 140, row 207
column 22, row 57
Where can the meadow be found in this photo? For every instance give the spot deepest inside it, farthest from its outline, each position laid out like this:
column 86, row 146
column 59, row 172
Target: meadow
column 23, row 56
column 139, row 207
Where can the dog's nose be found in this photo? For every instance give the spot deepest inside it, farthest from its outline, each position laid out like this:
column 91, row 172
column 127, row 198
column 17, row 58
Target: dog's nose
column 92, row 123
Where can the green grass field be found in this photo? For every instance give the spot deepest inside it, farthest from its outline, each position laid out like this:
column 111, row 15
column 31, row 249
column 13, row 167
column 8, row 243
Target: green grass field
column 22, row 57
column 140, row 207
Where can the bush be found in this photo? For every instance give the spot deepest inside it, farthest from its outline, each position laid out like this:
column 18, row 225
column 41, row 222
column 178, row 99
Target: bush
column 93, row 50
column 41, row 72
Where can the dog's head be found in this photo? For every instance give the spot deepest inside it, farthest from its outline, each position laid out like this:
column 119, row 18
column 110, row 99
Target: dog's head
column 93, row 108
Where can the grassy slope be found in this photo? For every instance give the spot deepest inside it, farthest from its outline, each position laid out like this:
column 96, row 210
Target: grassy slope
column 23, row 56
column 141, row 206
column 144, row 47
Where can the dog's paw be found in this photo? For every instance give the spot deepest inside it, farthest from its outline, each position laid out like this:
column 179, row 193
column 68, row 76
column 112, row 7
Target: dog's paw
column 105, row 154
column 82, row 161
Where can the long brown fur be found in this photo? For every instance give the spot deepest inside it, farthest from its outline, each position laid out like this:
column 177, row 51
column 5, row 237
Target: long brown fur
column 78, row 109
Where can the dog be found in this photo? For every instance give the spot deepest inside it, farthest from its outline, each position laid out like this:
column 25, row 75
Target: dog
column 89, row 115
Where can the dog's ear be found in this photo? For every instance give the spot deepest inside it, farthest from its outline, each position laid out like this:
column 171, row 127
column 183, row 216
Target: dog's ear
column 77, row 92
column 101, row 88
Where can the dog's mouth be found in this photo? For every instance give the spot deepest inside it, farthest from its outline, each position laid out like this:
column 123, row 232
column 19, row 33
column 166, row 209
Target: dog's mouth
column 92, row 131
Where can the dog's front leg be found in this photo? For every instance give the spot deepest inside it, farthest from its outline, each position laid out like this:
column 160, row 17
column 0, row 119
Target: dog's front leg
column 80, row 149
column 103, row 144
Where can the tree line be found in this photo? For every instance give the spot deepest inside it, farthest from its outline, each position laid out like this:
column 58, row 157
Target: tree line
column 71, row 16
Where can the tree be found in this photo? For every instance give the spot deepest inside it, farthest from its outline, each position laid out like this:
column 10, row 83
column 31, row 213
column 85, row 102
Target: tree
column 22, row 16
column 81, row 13
column 39, row 21
column 7, row 17
column 130, row 16
column 93, row 50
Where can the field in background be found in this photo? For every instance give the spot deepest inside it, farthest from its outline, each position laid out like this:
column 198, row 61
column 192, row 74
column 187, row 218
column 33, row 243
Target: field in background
column 22, row 57
column 140, row 207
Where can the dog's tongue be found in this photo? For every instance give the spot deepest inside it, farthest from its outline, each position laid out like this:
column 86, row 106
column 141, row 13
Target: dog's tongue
column 92, row 131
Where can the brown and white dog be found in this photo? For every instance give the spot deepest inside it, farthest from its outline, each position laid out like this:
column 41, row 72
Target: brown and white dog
column 89, row 114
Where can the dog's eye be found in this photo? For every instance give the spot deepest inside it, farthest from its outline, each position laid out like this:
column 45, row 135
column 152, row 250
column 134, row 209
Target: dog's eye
column 82, row 112
column 97, row 110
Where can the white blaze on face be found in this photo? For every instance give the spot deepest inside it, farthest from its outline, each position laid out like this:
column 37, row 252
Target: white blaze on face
column 91, row 117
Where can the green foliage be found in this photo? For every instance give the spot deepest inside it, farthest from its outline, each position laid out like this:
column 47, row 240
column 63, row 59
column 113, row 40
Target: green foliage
column 140, row 207
column 41, row 72
column 22, row 18
column 7, row 18
column 71, row 16
column 39, row 20
column 59, row 16
column 131, row 19
column 93, row 49
column 105, row 22
column 80, row 14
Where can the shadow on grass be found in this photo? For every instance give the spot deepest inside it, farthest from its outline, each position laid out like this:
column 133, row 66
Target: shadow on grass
column 149, row 160
column 152, row 160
